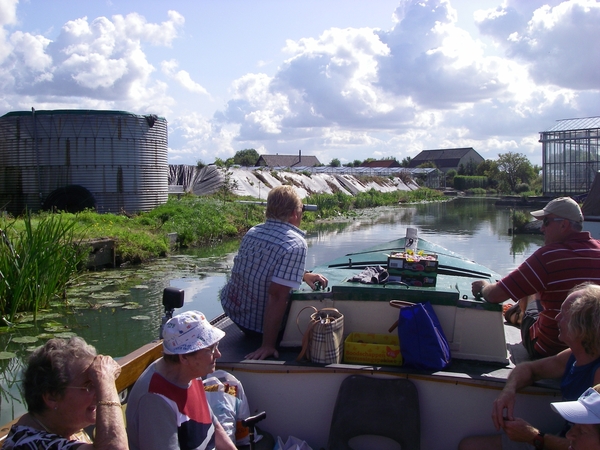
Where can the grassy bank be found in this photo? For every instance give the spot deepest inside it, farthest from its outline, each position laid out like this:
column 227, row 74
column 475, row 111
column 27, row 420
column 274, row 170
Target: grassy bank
column 200, row 221
column 37, row 260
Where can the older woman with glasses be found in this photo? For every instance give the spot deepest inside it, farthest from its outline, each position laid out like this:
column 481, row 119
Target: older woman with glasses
column 68, row 387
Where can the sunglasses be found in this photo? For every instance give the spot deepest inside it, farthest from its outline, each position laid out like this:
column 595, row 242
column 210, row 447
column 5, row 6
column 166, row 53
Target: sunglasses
column 547, row 221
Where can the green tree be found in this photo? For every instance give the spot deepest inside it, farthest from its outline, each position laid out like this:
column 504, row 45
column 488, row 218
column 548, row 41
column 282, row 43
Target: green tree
column 357, row 163
column 406, row 161
column 335, row 163
column 514, row 169
column 489, row 169
column 246, row 158
column 427, row 165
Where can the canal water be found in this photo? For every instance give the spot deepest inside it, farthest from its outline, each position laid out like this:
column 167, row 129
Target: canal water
column 120, row 310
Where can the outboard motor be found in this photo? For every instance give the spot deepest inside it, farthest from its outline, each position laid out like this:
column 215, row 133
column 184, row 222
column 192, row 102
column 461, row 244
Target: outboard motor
column 172, row 298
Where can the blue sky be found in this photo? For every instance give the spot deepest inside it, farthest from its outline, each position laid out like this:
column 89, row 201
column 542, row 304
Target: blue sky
column 344, row 79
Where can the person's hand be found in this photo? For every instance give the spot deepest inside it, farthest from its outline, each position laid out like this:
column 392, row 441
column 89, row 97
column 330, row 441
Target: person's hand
column 519, row 430
column 312, row 278
column 263, row 353
column 103, row 368
column 502, row 410
column 477, row 287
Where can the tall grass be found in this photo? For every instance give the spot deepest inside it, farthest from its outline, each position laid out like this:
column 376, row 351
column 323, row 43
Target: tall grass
column 36, row 263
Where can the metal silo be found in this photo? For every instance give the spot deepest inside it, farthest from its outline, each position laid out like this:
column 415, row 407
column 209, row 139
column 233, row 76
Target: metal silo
column 114, row 161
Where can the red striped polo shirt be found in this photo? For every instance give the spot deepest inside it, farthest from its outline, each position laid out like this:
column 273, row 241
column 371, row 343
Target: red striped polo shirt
column 552, row 271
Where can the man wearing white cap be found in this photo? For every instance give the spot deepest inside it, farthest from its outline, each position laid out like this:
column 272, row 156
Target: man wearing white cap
column 569, row 257
column 584, row 415
column 167, row 407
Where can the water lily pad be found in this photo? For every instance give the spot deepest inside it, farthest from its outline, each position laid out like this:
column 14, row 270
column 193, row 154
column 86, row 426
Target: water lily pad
column 141, row 317
column 132, row 305
column 31, row 348
column 25, row 339
column 45, row 336
column 22, row 326
column 53, row 315
column 56, row 329
column 57, row 304
column 65, row 335
column 113, row 304
column 7, row 355
column 140, row 286
column 6, row 329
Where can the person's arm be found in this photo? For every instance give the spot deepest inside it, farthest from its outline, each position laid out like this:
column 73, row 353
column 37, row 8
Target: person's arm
column 222, row 440
column 273, row 316
column 491, row 292
column 523, row 375
column 110, row 426
column 312, row 278
column 519, row 430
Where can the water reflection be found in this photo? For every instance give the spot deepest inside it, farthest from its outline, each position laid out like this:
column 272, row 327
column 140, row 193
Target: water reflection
column 120, row 310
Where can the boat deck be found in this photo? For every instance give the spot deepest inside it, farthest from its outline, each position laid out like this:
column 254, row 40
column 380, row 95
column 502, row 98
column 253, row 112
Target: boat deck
column 235, row 345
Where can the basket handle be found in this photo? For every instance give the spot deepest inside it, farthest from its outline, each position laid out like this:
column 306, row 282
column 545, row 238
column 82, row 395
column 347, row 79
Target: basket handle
column 298, row 317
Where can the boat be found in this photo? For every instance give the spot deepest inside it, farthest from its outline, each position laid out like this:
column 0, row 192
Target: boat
column 299, row 396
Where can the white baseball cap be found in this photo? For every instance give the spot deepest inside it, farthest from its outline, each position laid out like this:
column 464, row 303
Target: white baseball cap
column 188, row 332
column 563, row 207
column 586, row 409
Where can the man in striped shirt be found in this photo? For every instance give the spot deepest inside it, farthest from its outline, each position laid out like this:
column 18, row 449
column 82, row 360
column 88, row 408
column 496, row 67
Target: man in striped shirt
column 569, row 257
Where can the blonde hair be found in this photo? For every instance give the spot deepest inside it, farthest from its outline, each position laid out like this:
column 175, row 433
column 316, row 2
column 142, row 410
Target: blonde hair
column 282, row 202
column 585, row 316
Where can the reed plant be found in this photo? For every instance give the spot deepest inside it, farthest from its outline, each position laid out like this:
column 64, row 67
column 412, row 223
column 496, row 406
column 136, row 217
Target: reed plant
column 37, row 261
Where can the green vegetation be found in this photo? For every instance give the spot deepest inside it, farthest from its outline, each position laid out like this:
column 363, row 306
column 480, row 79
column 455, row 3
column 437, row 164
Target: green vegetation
column 38, row 257
column 463, row 182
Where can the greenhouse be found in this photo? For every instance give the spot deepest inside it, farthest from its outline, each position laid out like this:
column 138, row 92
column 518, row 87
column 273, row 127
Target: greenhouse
column 570, row 156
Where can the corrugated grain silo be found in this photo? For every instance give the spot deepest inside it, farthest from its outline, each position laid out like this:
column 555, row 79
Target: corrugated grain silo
column 114, row 161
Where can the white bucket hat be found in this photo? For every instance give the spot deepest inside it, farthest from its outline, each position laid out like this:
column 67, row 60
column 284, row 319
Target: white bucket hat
column 188, row 332
column 586, row 409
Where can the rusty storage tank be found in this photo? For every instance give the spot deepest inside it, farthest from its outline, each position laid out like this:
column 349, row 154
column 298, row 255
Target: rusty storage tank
column 70, row 160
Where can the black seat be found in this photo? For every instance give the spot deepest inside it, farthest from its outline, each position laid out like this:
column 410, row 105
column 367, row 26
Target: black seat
column 374, row 406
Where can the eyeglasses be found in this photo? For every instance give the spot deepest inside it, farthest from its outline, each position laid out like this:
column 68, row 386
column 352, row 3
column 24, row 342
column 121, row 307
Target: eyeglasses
column 87, row 388
column 547, row 221
column 213, row 348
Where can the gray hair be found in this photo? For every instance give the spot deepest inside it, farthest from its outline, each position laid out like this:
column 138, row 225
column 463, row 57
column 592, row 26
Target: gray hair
column 49, row 370
column 585, row 316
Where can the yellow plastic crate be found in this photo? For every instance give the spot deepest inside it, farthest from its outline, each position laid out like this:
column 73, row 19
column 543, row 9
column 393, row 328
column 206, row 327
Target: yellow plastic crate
column 369, row 348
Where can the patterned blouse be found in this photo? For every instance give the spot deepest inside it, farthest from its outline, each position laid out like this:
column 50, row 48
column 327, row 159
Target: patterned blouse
column 21, row 437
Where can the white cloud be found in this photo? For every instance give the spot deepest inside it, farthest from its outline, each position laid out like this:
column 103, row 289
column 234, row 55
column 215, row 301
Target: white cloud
column 182, row 77
column 99, row 62
column 557, row 41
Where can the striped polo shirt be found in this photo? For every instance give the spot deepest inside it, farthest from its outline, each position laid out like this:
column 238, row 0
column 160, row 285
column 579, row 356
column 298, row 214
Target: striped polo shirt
column 552, row 271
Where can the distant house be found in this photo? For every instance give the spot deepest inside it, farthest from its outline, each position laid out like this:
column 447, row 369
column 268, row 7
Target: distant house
column 288, row 161
column 447, row 159
column 381, row 163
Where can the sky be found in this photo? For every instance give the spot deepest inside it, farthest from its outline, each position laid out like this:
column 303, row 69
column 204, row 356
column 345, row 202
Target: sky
column 345, row 79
